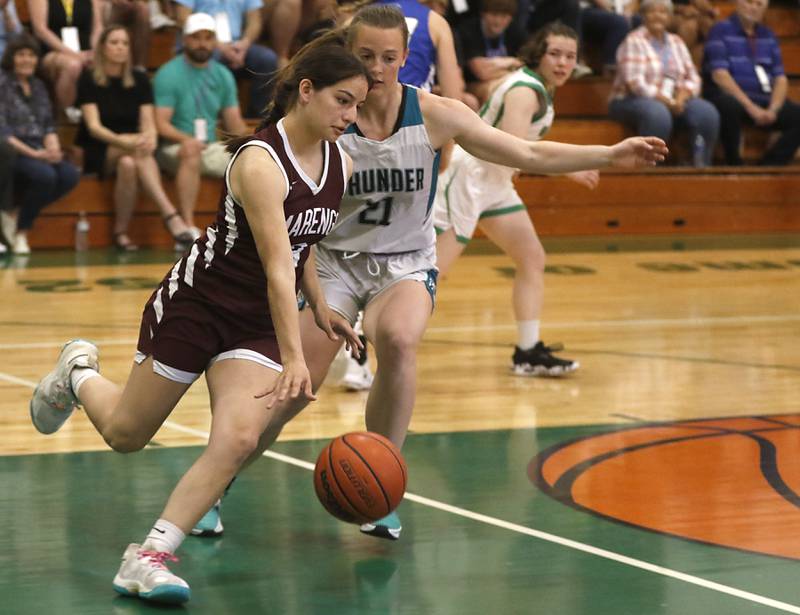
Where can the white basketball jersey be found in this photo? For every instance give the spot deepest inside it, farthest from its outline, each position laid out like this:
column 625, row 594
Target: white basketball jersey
column 387, row 207
column 492, row 110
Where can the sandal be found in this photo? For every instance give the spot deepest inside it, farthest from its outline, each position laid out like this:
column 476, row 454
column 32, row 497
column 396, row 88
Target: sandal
column 123, row 243
column 184, row 237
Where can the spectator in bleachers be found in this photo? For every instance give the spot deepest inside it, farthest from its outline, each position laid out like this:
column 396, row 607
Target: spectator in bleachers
column 135, row 16
column 67, row 32
column 191, row 91
column 543, row 12
column 657, row 85
column 41, row 175
column 9, row 23
column 431, row 53
column 692, row 21
column 238, row 27
column 745, row 80
column 118, row 134
column 602, row 24
column 286, row 20
column 488, row 45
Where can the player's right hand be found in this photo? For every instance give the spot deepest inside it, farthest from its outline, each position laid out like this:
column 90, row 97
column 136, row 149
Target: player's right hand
column 293, row 384
column 638, row 152
column 336, row 327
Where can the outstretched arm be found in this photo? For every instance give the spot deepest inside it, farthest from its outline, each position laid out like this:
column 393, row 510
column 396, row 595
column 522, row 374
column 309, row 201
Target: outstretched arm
column 449, row 119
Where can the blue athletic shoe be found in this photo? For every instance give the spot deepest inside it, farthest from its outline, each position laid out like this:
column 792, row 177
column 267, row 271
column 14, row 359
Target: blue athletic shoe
column 211, row 523
column 389, row 527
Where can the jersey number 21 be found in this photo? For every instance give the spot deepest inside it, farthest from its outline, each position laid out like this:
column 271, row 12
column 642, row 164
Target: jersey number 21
column 377, row 212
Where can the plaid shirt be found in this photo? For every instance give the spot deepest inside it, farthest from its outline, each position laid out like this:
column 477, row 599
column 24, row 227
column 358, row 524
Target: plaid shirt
column 641, row 69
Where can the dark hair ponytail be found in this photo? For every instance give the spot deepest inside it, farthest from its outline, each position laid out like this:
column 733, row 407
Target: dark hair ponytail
column 324, row 61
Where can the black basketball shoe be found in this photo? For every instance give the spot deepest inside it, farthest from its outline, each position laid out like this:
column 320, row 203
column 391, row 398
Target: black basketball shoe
column 539, row 361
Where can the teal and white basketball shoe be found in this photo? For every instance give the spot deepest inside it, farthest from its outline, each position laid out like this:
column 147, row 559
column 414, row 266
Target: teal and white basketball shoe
column 389, row 527
column 211, row 523
column 145, row 575
column 53, row 400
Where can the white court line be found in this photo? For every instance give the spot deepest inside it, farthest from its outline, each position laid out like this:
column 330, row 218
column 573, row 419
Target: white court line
column 24, row 345
column 581, row 324
column 646, row 322
column 513, row 527
column 547, row 537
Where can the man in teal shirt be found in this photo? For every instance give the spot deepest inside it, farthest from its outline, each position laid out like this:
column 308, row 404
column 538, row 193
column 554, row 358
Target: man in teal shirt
column 192, row 91
column 239, row 24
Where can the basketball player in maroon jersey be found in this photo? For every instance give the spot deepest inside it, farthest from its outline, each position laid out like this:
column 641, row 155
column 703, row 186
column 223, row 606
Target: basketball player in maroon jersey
column 229, row 308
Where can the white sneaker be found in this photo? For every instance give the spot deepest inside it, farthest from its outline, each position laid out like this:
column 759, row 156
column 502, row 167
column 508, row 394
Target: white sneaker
column 158, row 19
column 53, row 400
column 8, row 226
column 144, row 574
column 3, row 248
column 73, row 114
column 21, row 245
column 357, row 377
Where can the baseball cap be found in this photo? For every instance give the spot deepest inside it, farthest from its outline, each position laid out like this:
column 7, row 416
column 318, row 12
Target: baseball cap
column 197, row 22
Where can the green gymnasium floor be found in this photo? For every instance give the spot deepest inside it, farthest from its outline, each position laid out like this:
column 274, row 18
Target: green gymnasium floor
column 68, row 518
column 495, row 522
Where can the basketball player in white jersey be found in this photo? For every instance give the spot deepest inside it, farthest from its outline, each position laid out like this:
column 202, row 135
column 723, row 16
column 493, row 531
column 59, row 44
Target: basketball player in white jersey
column 381, row 256
column 228, row 309
column 473, row 192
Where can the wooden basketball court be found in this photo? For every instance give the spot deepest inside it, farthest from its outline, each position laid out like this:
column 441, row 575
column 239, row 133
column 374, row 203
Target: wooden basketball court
column 662, row 477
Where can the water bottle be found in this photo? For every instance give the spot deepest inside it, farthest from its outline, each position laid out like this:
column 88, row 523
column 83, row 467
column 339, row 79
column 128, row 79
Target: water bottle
column 699, row 152
column 82, row 233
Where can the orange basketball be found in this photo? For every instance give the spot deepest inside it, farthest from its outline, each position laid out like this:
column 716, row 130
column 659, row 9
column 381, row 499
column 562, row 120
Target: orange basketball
column 360, row 477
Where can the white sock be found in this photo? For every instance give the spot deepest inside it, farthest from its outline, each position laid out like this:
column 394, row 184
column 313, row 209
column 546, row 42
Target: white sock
column 527, row 334
column 79, row 375
column 164, row 536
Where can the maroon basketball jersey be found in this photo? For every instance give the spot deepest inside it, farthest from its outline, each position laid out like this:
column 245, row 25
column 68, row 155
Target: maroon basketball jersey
column 223, row 266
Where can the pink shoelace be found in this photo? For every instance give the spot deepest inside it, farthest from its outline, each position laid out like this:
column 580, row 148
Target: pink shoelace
column 158, row 557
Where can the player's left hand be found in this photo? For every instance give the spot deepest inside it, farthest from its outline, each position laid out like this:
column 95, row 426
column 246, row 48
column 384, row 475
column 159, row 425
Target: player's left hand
column 336, row 327
column 638, row 152
column 590, row 179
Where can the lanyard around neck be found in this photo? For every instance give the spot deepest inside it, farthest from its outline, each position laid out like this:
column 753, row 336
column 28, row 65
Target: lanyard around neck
column 69, row 8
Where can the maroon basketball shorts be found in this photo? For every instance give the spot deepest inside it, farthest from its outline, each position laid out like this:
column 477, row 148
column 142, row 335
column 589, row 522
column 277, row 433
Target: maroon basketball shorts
column 186, row 335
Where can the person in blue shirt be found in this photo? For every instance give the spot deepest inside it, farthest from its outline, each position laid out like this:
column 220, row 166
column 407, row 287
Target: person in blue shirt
column 238, row 28
column 744, row 78
column 9, row 23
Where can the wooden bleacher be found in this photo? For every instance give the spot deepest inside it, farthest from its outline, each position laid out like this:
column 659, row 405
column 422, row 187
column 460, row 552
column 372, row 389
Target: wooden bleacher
column 670, row 199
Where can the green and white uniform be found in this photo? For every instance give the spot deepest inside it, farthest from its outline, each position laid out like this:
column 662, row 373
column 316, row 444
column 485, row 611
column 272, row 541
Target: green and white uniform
column 384, row 233
column 470, row 188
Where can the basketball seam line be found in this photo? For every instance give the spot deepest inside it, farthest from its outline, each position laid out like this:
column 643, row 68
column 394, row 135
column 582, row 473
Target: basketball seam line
column 371, row 471
column 336, row 479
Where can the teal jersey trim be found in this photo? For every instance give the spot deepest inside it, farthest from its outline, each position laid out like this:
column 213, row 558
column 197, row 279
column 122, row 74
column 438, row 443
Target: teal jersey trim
column 434, row 180
column 412, row 115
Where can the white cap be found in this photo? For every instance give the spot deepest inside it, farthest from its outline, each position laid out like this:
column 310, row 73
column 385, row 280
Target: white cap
column 197, row 22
